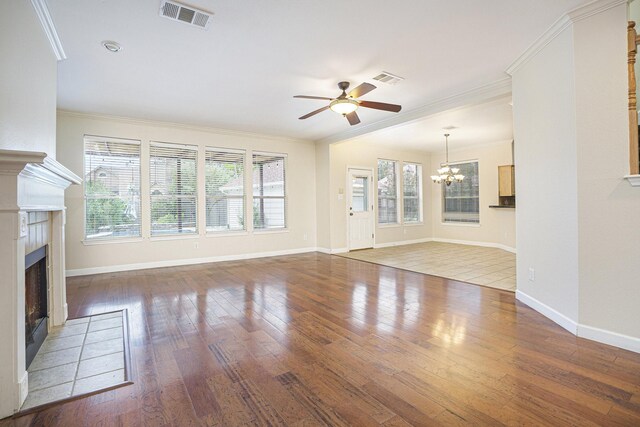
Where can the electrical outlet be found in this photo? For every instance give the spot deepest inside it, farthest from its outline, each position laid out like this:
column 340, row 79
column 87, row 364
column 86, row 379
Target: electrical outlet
column 195, row 245
column 532, row 274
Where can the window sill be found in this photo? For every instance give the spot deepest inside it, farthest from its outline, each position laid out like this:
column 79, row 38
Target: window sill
column 413, row 224
column 272, row 231
column 461, row 224
column 388, row 225
column 174, row 237
column 226, row 233
column 634, row 180
column 111, row 241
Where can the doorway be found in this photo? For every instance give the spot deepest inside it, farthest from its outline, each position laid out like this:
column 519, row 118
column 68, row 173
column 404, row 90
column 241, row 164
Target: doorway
column 360, row 208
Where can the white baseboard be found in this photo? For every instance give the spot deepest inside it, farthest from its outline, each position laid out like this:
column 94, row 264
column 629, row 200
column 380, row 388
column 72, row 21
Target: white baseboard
column 607, row 337
column 583, row 331
column 339, row 251
column 402, row 243
column 474, row 243
column 179, row 262
column 562, row 320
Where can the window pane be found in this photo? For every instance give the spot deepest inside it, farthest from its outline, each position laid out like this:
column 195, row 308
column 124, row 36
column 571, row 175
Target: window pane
column 412, row 176
column 112, row 188
column 461, row 201
column 387, row 192
column 173, row 189
column 360, row 194
column 269, row 191
column 224, row 184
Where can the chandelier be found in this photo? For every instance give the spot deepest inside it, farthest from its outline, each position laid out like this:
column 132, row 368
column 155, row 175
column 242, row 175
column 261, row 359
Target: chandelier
column 446, row 173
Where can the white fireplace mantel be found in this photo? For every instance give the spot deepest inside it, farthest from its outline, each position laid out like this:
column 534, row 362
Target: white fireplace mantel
column 29, row 181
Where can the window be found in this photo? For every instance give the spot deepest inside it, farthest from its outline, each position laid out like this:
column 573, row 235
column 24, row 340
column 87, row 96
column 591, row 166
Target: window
column 412, row 192
column 224, row 184
column 461, row 201
column 112, row 188
column 387, row 192
column 269, row 191
column 173, row 189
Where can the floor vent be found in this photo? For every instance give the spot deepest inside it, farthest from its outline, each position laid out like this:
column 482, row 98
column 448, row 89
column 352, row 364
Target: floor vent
column 186, row 14
column 388, row 78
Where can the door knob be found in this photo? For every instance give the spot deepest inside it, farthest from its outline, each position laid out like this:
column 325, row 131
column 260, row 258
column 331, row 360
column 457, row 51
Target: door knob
column 350, row 213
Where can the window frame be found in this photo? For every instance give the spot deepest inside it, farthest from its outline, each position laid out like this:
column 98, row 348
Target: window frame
column 110, row 239
column 284, row 197
column 466, row 223
column 243, row 154
column 396, row 198
column 196, row 196
column 419, row 197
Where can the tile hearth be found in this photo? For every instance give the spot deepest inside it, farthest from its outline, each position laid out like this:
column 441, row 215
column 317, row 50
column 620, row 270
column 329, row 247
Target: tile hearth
column 83, row 356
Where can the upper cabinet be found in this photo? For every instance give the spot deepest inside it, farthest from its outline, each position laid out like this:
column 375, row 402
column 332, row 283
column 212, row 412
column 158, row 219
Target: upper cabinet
column 506, row 181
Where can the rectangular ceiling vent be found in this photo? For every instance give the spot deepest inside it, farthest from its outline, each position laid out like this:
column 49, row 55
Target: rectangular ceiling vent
column 388, row 78
column 186, row 14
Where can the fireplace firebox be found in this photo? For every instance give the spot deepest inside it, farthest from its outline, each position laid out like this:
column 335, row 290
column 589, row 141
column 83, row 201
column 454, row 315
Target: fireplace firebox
column 36, row 320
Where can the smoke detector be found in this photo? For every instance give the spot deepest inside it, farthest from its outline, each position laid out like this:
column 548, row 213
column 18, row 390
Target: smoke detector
column 185, row 14
column 388, row 78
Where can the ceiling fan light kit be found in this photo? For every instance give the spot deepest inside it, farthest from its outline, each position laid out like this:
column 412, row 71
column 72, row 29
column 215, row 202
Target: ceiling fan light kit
column 446, row 173
column 347, row 104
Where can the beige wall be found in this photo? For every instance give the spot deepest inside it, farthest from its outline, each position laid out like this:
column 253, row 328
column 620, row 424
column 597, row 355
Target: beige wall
column 546, row 182
column 608, row 207
column 577, row 218
column 300, row 175
column 497, row 226
column 28, row 77
column 362, row 153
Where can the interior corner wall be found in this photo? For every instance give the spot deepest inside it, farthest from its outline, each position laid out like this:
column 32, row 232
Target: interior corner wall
column 28, row 79
column 300, row 235
column 497, row 226
column 546, row 177
column 362, row 152
column 609, row 208
column 323, row 226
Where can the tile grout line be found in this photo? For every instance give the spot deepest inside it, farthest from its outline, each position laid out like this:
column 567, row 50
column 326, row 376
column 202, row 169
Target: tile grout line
column 75, row 376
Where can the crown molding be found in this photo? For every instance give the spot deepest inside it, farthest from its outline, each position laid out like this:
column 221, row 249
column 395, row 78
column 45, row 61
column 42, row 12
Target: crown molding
column 565, row 21
column 146, row 122
column 42, row 10
column 477, row 95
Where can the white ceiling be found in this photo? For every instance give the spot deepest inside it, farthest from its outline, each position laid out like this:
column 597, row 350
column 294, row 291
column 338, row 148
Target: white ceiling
column 485, row 123
column 242, row 73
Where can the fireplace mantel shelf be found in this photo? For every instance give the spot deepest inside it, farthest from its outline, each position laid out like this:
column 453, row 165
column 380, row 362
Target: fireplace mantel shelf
column 36, row 165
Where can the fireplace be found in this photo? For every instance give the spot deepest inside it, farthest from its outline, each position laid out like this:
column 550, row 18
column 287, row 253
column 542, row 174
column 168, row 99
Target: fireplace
column 33, row 293
column 36, row 319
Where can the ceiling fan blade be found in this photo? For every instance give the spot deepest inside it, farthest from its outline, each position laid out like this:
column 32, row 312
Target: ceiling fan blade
column 313, row 97
column 381, row 106
column 363, row 89
column 313, row 113
column 353, row 118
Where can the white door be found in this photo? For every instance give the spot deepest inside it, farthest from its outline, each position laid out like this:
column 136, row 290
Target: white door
column 360, row 208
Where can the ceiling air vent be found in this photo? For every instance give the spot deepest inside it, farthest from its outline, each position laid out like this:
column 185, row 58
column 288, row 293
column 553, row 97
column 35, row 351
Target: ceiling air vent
column 186, row 14
column 388, row 78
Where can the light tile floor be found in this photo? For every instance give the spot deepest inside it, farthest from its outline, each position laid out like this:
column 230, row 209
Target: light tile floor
column 479, row 265
column 83, row 356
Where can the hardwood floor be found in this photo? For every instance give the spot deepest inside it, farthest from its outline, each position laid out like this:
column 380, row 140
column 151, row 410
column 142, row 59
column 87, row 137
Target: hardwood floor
column 316, row 339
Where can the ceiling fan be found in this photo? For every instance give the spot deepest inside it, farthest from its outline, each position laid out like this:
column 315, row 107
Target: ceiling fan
column 347, row 104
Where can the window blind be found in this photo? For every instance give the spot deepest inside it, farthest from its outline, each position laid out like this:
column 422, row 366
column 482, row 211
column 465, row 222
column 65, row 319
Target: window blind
column 269, row 191
column 224, row 184
column 412, row 192
column 387, row 192
column 461, row 201
column 111, row 188
column 173, row 188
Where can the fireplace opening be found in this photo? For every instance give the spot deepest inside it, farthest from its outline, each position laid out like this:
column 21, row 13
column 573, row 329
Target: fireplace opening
column 36, row 324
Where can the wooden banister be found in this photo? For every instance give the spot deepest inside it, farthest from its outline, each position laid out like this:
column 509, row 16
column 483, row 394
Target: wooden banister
column 632, row 50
